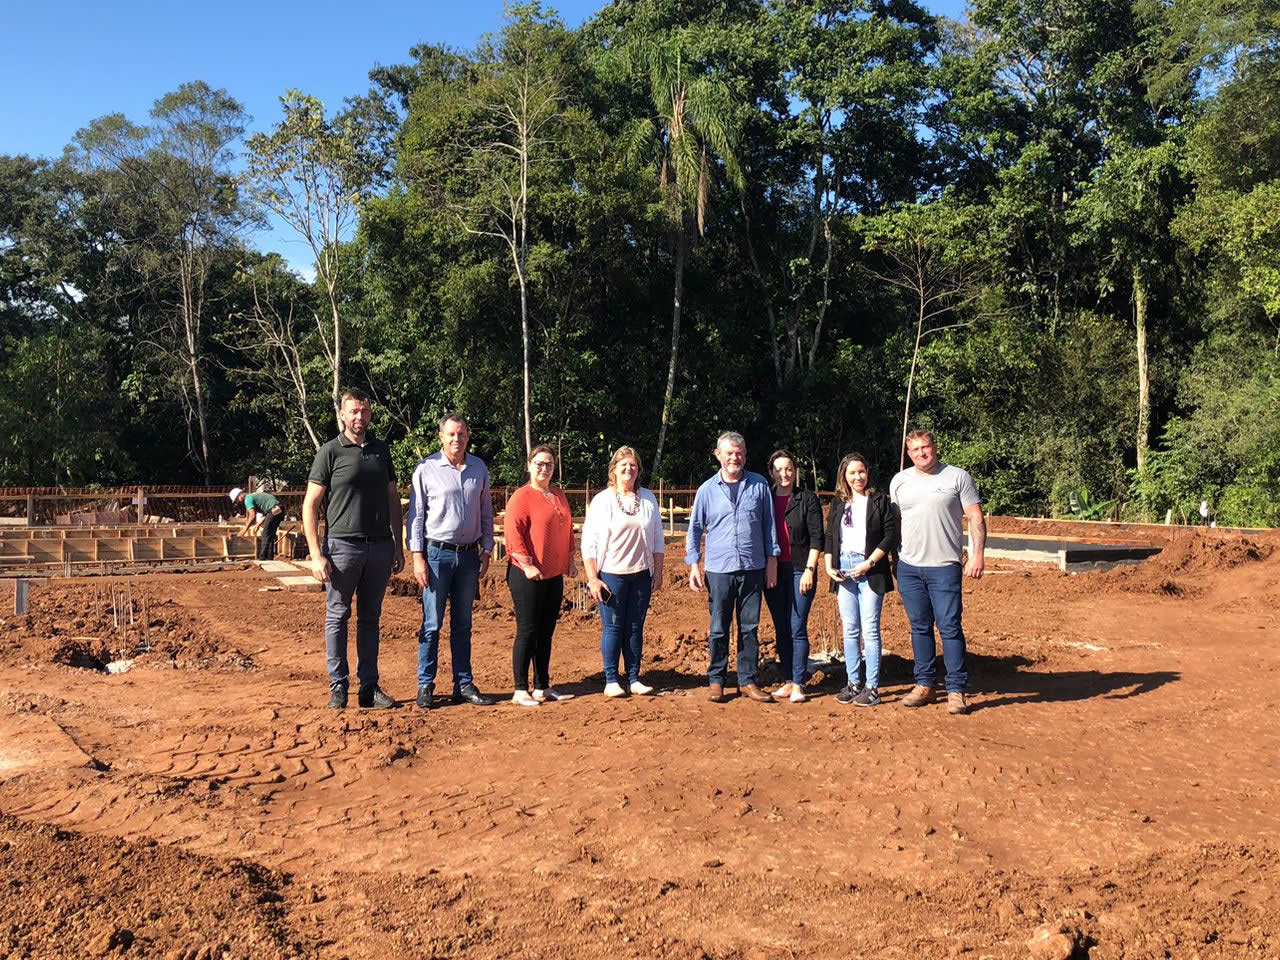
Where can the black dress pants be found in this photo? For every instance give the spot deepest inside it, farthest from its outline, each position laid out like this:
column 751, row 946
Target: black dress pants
column 537, row 604
column 267, row 539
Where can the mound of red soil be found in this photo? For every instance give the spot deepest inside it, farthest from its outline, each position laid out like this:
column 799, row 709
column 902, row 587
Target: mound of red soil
column 84, row 627
column 1198, row 551
column 1181, row 569
column 66, row 895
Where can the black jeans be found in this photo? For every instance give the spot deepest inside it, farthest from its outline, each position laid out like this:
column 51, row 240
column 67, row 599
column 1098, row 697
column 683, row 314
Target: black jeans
column 537, row 604
column 267, row 539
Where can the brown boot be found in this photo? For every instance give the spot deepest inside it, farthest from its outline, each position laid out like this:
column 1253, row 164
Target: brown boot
column 716, row 693
column 918, row 696
column 756, row 694
column 957, row 703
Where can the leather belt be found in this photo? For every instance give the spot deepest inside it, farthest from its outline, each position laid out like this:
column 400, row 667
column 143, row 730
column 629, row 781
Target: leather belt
column 454, row 547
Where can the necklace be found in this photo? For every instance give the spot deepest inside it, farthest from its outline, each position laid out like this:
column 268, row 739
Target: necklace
column 550, row 496
column 635, row 503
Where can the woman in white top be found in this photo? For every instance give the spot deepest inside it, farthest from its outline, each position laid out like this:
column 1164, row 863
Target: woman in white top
column 862, row 530
column 622, row 553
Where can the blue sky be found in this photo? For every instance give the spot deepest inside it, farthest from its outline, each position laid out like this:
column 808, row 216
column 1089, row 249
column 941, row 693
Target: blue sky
column 68, row 61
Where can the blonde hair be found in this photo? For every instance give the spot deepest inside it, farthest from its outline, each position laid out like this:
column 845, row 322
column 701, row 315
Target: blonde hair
column 624, row 453
column 921, row 435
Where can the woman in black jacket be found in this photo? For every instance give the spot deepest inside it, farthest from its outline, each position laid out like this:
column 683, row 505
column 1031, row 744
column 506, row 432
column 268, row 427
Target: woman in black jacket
column 862, row 530
column 798, row 517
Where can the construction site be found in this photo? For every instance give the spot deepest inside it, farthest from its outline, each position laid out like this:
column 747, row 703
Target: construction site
column 171, row 784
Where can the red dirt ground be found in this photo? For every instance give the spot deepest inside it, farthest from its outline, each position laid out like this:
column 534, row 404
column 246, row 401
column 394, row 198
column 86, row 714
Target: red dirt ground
column 1116, row 780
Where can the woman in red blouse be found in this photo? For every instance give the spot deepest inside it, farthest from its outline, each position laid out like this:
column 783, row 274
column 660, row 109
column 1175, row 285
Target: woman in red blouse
column 539, row 538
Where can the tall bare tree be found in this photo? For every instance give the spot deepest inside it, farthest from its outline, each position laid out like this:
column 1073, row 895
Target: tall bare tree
column 494, row 139
column 172, row 194
column 314, row 173
column 274, row 332
column 933, row 253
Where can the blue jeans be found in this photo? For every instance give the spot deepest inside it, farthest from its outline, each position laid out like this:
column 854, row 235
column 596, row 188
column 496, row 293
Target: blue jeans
column 453, row 578
column 860, row 616
column 359, row 570
column 789, row 610
column 622, row 622
column 929, row 594
column 728, row 594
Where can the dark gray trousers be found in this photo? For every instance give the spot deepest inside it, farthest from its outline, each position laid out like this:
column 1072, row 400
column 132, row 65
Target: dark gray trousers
column 360, row 570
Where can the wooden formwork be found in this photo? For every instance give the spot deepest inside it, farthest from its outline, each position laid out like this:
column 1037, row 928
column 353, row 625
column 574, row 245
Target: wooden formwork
column 178, row 544
column 10, row 534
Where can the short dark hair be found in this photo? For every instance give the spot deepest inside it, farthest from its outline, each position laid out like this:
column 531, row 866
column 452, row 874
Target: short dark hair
column 353, row 393
column 542, row 448
column 456, row 418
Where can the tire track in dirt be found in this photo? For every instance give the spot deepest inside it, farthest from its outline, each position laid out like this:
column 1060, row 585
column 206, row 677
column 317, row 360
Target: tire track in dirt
column 393, row 792
column 1087, row 759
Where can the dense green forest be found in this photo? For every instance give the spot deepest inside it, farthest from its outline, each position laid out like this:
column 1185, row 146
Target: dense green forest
column 1053, row 228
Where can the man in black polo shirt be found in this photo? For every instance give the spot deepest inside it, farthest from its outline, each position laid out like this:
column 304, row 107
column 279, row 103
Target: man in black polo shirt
column 353, row 477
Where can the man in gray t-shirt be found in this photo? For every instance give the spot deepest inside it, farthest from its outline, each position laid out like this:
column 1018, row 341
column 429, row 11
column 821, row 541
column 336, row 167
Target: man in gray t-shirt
column 933, row 498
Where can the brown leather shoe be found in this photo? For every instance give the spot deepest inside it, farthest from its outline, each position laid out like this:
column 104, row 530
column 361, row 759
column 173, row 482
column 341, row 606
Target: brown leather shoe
column 957, row 703
column 756, row 694
column 918, row 696
column 716, row 693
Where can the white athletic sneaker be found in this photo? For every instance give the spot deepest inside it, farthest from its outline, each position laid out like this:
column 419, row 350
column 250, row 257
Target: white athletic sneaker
column 614, row 690
column 641, row 689
column 522, row 698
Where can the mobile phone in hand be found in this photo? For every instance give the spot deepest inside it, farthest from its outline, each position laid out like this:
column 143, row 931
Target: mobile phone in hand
column 606, row 595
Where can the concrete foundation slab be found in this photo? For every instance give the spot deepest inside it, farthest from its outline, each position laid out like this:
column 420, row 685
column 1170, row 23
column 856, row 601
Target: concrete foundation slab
column 1068, row 553
column 276, row 566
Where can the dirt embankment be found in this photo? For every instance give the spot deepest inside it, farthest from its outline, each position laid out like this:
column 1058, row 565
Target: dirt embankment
column 93, row 625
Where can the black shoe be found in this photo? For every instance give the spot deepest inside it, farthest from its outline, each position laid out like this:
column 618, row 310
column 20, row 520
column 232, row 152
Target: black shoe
column 425, row 695
column 869, row 697
column 469, row 693
column 375, row 699
column 848, row 694
column 337, row 697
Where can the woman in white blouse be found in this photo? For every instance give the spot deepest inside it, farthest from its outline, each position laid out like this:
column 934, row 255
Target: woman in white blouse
column 622, row 553
column 862, row 532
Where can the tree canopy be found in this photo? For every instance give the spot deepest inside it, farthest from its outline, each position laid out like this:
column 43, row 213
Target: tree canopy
column 1050, row 232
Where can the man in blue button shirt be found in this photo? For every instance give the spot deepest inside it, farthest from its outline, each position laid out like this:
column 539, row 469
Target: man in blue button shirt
column 734, row 508
column 451, row 538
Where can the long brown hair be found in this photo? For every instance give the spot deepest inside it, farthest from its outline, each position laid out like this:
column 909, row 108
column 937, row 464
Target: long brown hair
column 843, row 490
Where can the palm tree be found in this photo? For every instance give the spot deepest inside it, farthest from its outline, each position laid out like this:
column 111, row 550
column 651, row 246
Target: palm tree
column 695, row 121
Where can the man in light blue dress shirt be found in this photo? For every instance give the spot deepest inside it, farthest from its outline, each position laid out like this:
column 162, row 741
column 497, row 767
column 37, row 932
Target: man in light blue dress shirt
column 451, row 539
column 734, row 508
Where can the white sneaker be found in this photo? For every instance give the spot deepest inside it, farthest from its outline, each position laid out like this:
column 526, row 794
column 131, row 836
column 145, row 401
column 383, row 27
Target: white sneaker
column 614, row 690
column 784, row 690
column 522, row 698
column 553, row 695
column 641, row 689
column 797, row 695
